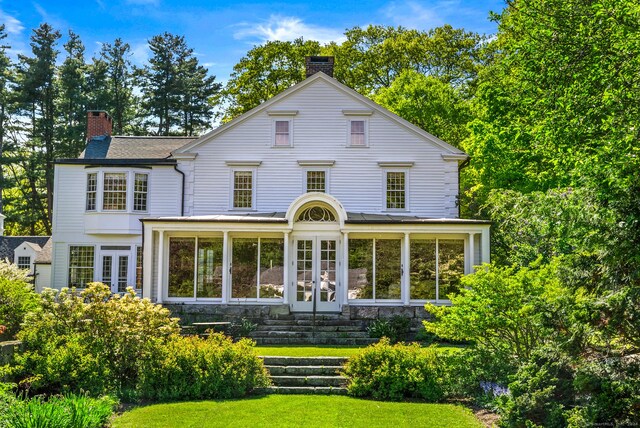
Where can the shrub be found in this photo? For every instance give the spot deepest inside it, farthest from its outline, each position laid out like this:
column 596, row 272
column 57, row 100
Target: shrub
column 70, row 411
column 90, row 341
column 395, row 328
column 393, row 372
column 16, row 299
column 191, row 367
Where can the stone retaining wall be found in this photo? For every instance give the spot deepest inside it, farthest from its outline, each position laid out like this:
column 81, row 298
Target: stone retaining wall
column 8, row 350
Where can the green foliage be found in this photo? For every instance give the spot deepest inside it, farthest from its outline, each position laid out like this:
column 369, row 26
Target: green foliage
column 194, row 368
column 68, row 411
column 393, row 372
column 243, row 328
column 17, row 298
column 497, row 310
column 91, row 341
column 395, row 328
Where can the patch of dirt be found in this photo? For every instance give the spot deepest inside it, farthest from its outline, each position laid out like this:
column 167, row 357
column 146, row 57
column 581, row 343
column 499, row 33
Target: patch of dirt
column 488, row 419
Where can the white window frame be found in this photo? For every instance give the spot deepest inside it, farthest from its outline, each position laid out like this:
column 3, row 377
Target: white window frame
column 26, row 265
column 133, row 192
column 96, row 192
column 385, row 173
column 259, row 237
column 305, row 173
column 273, row 132
column 94, row 267
column 254, row 181
column 130, row 175
column 366, row 133
column 127, row 178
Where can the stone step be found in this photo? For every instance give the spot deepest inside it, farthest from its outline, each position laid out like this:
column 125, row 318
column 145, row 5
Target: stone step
column 324, row 328
column 308, row 380
column 340, row 341
column 304, row 361
column 310, row 334
column 318, row 322
column 316, row 390
column 303, row 370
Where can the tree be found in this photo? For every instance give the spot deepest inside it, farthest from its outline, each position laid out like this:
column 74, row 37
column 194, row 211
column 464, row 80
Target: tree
column 429, row 103
column 264, row 72
column 175, row 87
column 5, row 99
column 118, row 78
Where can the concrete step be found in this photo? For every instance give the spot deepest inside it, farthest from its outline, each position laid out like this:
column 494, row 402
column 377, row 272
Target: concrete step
column 308, row 381
column 316, row 390
column 305, row 361
column 303, row 370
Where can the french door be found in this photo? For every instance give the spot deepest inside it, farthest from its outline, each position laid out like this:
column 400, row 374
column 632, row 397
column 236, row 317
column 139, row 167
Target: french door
column 315, row 280
column 115, row 270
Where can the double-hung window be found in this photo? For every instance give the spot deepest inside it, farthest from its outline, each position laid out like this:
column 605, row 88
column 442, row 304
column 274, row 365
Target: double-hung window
column 114, row 196
column 282, row 136
column 81, row 264
column 316, row 181
column 357, row 133
column 140, row 187
column 396, row 190
column 92, row 191
column 243, row 189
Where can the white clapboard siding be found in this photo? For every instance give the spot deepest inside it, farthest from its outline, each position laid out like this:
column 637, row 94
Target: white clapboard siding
column 320, row 133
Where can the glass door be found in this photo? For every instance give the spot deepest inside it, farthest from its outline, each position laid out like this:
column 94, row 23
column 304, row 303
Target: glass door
column 115, row 270
column 315, row 279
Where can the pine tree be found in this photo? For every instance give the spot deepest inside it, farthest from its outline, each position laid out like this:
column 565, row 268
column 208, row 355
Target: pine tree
column 119, row 83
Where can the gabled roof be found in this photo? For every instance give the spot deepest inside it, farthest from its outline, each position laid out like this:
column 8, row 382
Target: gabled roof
column 126, row 147
column 447, row 148
column 8, row 244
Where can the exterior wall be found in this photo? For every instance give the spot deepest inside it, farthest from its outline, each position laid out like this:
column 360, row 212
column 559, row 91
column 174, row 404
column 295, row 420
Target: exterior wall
column 74, row 226
column 43, row 277
column 25, row 250
column 320, row 133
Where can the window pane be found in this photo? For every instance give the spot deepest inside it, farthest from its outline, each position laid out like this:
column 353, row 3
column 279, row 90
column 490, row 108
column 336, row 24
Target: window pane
column 209, row 268
column 244, row 268
column 107, row 269
column 123, row 273
column 395, row 190
column 423, row 269
column 80, row 265
column 357, row 133
column 140, row 192
column 271, row 268
column 360, row 269
column 181, row 266
column 450, row 266
column 327, row 270
column 139, row 268
column 24, row 262
column 92, row 187
column 388, row 268
column 242, row 189
column 115, row 191
column 282, row 133
column 316, row 181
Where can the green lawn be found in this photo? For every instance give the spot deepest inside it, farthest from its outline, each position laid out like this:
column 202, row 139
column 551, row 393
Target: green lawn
column 297, row 411
column 320, row 350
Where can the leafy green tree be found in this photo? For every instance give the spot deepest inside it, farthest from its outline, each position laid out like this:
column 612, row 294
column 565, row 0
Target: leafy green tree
column 429, row 103
column 264, row 72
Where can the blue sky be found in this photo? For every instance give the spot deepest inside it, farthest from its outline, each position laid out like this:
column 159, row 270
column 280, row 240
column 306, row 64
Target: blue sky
column 221, row 32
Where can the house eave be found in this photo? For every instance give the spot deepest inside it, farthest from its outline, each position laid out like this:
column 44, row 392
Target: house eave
column 116, row 162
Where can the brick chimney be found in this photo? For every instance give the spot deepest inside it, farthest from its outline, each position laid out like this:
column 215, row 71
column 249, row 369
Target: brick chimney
column 314, row 64
column 98, row 123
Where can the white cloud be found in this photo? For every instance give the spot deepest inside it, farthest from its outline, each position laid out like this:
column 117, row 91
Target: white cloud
column 287, row 28
column 140, row 53
column 12, row 25
column 413, row 14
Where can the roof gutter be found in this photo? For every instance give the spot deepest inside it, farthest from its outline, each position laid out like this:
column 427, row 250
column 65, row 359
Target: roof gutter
column 182, row 194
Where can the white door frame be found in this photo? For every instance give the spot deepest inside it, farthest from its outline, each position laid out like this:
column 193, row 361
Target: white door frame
column 114, row 271
column 314, row 296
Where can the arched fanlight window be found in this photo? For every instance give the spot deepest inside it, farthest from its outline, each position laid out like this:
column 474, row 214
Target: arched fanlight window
column 316, row 213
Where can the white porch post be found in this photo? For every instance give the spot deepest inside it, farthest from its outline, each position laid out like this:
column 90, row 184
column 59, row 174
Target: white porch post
column 147, row 261
column 287, row 266
column 226, row 268
column 472, row 252
column 406, row 267
column 161, row 275
column 485, row 246
column 345, row 269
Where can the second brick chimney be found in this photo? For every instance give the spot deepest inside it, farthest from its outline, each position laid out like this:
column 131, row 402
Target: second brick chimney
column 314, row 64
column 98, row 123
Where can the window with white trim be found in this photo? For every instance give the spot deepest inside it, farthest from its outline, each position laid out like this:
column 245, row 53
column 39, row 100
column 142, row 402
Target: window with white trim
column 242, row 189
column 140, row 189
column 395, row 190
column 358, row 133
column 81, row 264
column 375, row 269
column 316, row 181
column 114, row 196
column 92, row 191
column 24, row 262
column 282, row 133
column 257, row 268
column 436, row 268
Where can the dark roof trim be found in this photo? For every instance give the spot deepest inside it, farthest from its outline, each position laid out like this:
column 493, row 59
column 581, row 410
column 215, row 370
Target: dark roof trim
column 216, row 220
column 116, row 162
column 418, row 221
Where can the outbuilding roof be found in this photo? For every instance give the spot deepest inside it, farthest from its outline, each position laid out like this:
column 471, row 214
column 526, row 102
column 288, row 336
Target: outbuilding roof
column 8, row 244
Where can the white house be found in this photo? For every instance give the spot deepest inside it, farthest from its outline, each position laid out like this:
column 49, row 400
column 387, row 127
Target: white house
column 318, row 200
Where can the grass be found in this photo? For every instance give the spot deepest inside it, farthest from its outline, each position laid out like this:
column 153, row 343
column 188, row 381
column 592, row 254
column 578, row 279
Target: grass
column 322, row 350
column 297, row 411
